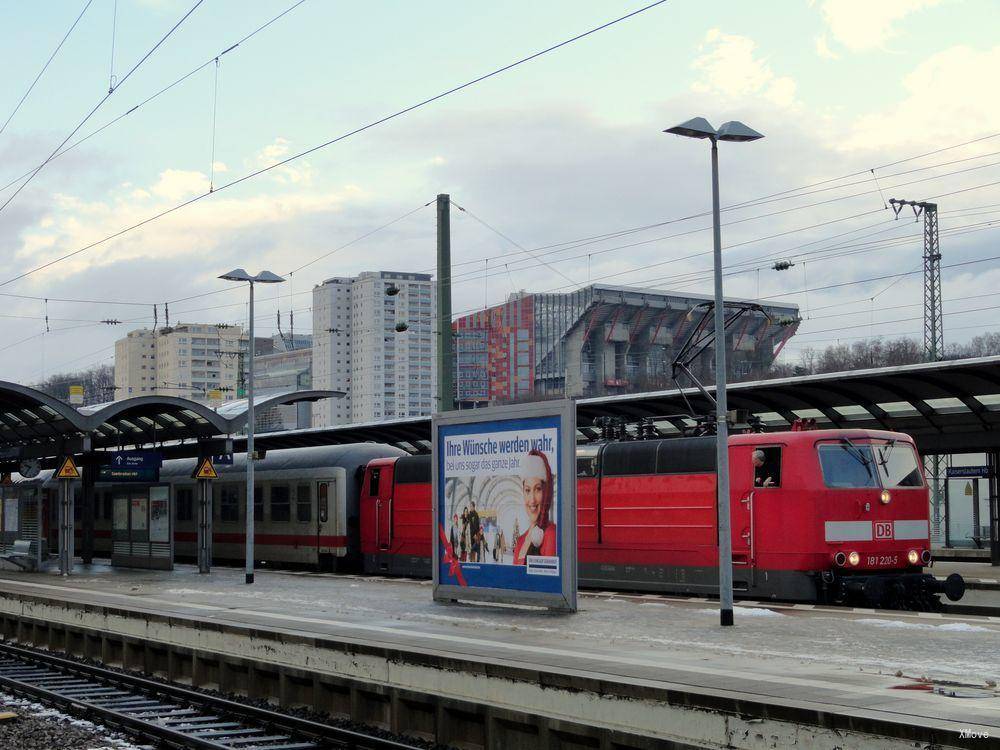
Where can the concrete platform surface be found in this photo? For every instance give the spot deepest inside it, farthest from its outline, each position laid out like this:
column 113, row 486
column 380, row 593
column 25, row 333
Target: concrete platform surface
column 860, row 663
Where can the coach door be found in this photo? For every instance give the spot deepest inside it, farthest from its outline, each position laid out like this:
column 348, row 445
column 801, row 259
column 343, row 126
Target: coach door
column 381, row 490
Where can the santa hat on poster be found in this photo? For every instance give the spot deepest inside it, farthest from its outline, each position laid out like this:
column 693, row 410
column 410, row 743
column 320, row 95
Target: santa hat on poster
column 533, row 466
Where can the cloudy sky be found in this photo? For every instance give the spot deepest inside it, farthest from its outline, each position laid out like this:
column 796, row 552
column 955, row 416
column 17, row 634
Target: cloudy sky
column 859, row 102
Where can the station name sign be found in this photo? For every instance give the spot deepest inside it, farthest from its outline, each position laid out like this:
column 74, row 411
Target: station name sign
column 967, row 472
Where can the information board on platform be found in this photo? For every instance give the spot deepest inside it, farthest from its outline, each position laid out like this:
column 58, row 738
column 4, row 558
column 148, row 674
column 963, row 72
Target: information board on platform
column 504, row 488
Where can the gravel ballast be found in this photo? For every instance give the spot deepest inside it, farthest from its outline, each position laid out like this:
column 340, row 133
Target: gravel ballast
column 38, row 727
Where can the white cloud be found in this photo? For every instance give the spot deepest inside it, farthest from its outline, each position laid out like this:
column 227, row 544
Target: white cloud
column 823, row 48
column 866, row 24
column 729, row 66
column 298, row 173
column 178, row 184
column 944, row 103
column 220, row 166
column 273, row 152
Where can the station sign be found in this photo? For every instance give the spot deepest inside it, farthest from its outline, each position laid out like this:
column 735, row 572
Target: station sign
column 967, row 472
column 504, row 488
column 131, row 466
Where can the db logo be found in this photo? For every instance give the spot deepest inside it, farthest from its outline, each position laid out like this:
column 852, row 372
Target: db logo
column 883, row 529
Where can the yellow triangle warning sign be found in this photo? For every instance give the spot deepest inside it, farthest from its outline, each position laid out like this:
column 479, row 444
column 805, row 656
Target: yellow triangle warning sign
column 67, row 469
column 205, row 470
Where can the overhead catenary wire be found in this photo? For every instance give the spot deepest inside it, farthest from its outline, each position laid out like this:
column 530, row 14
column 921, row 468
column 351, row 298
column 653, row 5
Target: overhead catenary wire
column 728, row 247
column 114, row 33
column 519, row 246
column 344, row 136
column 729, row 223
column 161, row 91
column 45, row 67
column 97, row 106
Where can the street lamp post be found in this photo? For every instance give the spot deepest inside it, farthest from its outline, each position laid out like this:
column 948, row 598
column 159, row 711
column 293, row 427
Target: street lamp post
column 264, row 277
column 730, row 131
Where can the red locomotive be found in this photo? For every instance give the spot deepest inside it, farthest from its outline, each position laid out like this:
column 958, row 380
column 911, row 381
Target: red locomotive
column 833, row 516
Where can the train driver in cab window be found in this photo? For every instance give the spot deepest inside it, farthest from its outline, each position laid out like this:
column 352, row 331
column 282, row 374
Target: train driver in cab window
column 766, row 467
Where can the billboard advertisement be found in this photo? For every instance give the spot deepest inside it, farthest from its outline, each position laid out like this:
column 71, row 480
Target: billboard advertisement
column 505, row 505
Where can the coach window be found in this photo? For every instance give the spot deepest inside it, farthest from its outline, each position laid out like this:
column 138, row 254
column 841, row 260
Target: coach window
column 185, row 504
column 280, row 502
column 766, row 467
column 258, row 503
column 303, row 504
column 229, row 502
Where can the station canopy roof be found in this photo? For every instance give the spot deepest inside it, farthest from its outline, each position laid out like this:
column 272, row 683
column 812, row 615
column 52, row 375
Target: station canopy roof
column 951, row 406
column 45, row 426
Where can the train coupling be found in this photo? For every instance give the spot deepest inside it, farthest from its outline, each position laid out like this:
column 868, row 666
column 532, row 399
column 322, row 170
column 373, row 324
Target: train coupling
column 917, row 591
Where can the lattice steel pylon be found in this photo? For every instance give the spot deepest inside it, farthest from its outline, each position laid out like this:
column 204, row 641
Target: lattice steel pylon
column 933, row 315
column 933, row 332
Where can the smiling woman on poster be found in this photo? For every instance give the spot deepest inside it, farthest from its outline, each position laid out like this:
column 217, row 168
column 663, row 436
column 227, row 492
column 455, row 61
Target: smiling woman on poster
column 536, row 483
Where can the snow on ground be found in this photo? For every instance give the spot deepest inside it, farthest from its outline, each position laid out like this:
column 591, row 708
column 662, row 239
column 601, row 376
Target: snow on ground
column 952, row 627
column 43, row 728
column 664, row 632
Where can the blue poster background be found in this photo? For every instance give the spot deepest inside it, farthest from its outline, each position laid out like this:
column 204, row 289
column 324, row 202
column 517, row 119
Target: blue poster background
column 489, row 574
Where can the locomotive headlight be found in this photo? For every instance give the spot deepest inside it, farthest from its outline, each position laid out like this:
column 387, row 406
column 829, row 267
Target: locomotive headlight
column 925, row 557
column 854, row 558
column 885, row 497
column 840, row 558
column 913, row 557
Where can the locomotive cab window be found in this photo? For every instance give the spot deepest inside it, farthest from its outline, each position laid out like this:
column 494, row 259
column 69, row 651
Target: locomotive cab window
column 766, row 467
column 848, row 465
column 586, row 461
column 373, row 483
column 898, row 465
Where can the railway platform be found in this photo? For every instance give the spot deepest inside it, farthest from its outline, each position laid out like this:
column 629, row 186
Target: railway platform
column 626, row 671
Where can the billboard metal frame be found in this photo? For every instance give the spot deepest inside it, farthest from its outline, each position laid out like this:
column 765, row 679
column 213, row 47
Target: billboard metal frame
column 565, row 411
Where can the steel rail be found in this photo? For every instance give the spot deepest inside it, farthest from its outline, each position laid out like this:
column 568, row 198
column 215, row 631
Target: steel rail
column 175, row 715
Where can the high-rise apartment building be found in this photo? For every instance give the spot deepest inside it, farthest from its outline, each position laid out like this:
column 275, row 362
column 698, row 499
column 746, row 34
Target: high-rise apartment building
column 191, row 360
column 374, row 338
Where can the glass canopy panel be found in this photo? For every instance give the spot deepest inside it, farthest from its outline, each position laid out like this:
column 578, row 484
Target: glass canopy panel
column 991, row 401
column 899, row 409
column 949, row 405
column 772, row 418
column 810, row 414
column 853, row 411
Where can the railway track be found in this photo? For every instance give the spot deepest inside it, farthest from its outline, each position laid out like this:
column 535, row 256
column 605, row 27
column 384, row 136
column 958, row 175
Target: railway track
column 167, row 714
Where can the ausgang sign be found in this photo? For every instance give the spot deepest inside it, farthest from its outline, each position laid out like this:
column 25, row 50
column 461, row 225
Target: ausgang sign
column 131, row 466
